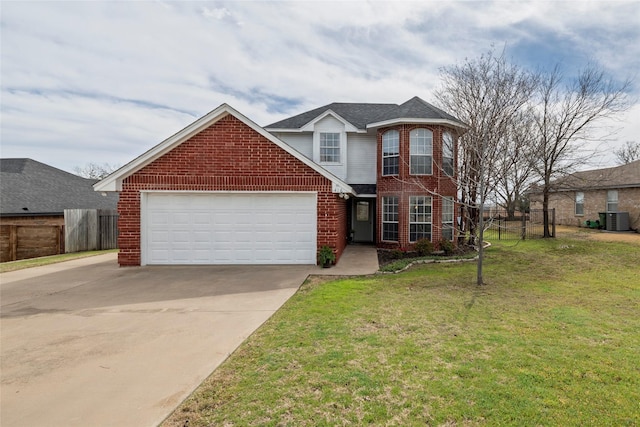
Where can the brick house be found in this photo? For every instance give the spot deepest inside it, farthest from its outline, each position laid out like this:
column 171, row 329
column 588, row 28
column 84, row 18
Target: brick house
column 227, row 191
column 583, row 195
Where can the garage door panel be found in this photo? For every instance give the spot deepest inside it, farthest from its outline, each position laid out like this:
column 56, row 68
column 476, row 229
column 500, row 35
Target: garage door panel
column 238, row 228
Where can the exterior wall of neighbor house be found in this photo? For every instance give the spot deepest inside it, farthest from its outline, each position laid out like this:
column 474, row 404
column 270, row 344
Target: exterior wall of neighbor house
column 595, row 201
column 228, row 156
column 404, row 185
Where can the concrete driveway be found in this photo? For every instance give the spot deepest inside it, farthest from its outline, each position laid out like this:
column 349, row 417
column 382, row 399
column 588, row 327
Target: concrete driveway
column 87, row 343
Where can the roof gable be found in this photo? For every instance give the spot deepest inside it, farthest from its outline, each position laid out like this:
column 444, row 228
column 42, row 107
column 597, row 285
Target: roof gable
column 113, row 182
column 364, row 116
column 28, row 187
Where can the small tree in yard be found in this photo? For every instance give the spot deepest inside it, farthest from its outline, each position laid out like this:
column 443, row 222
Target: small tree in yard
column 565, row 117
column 489, row 95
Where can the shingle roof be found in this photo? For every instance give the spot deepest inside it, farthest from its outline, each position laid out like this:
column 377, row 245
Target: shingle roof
column 360, row 115
column 624, row 176
column 43, row 189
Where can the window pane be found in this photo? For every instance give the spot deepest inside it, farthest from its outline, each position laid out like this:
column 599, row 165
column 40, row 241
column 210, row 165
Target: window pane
column 390, row 218
column 390, row 165
column 421, row 150
column 447, row 154
column 612, row 201
column 579, row 203
column 390, row 152
column 447, row 218
column 330, row 147
column 419, row 218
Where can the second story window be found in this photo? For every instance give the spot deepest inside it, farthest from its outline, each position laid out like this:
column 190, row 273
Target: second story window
column 390, row 153
column 447, row 154
column 421, row 150
column 329, row 147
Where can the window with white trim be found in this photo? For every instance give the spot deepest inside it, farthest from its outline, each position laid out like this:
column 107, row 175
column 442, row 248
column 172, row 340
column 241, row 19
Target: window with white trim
column 579, row 203
column 447, row 218
column 421, row 152
column 612, row 201
column 329, row 147
column 390, row 152
column 390, row 218
column 447, row 153
column 419, row 218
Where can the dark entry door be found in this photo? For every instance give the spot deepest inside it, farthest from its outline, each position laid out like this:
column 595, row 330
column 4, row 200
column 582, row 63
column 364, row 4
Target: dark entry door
column 363, row 220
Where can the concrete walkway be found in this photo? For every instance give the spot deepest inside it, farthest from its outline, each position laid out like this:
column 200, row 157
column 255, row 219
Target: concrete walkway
column 86, row 342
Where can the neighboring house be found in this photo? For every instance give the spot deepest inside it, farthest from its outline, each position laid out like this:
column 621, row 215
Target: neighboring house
column 32, row 193
column 227, row 191
column 33, row 198
column 585, row 195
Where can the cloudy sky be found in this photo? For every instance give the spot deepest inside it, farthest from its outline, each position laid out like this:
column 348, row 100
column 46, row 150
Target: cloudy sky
column 105, row 81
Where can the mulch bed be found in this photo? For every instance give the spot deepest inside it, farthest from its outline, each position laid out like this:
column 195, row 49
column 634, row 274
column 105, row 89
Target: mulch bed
column 387, row 256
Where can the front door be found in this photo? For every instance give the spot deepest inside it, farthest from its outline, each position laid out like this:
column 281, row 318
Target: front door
column 362, row 220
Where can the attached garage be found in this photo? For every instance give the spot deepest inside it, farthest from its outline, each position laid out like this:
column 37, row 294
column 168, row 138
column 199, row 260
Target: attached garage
column 225, row 191
column 229, row 228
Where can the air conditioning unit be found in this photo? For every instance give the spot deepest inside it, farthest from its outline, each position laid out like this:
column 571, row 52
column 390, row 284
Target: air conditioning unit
column 617, row 221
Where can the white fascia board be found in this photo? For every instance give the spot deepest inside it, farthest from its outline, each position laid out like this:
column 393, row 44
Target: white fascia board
column 113, row 182
column 406, row 120
column 348, row 127
column 284, row 130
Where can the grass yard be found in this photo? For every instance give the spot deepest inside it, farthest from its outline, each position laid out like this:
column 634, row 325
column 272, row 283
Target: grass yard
column 46, row 260
column 552, row 339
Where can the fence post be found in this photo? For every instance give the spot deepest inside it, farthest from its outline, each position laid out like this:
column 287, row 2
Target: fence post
column 553, row 222
column 523, row 215
column 13, row 242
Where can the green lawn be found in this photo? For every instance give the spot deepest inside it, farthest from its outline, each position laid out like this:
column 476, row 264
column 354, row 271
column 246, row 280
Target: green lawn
column 46, row 260
column 552, row 339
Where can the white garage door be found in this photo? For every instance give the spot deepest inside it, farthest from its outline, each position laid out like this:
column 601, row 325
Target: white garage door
column 229, row 228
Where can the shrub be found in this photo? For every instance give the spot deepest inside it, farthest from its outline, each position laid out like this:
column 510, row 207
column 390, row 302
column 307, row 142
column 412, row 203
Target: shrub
column 446, row 246
column 397, row 254
column 424, row 247
column 326, row 256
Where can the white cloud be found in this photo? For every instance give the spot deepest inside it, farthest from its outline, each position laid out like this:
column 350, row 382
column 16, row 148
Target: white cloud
column 104, row 81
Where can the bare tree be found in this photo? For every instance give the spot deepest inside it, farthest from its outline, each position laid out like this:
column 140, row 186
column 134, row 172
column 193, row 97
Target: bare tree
column 565, row 117
column 628, row 153
column 95, row 170
column 515, row 162
column 487, row 94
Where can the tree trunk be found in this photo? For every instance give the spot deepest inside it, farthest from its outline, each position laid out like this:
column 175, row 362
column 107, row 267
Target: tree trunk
column 545, row 213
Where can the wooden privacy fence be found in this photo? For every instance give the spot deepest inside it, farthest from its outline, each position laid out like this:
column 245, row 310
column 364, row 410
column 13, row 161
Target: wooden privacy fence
column 90, row 229
column 30, row 241
column 517, row 226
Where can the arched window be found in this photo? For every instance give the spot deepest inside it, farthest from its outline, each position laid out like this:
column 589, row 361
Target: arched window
column 421, row 152
column 447, row 153
column 390, row 152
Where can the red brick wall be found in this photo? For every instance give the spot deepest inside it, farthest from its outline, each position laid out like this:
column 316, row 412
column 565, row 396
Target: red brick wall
column 405, row 185
column 228, row 156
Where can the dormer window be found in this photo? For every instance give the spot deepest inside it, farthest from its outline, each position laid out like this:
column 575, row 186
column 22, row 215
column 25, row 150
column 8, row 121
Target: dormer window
column 390, row 152
column 329, row 147
column 421, row 152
